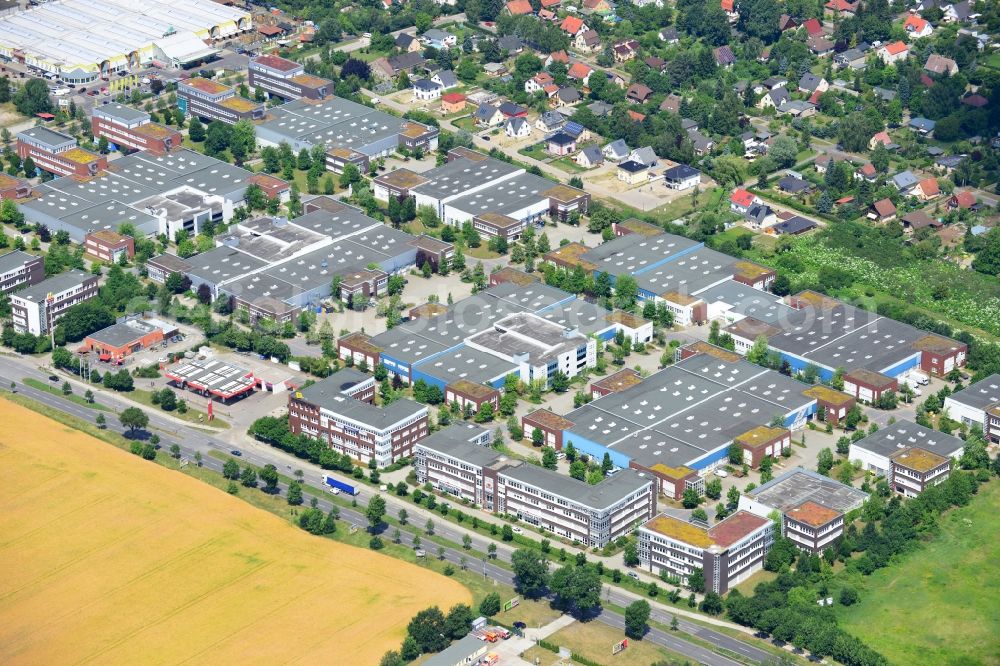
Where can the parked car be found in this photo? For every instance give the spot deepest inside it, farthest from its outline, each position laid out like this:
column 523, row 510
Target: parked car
column 721, row 473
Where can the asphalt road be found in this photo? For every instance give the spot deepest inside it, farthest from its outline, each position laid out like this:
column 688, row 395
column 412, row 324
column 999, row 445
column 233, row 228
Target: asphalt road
column 191, row 439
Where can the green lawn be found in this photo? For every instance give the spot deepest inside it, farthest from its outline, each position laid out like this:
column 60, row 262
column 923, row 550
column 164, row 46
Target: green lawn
column 567, row 164
column 467, row 123
column 72, row 397
column 941, row 604
column 191, row 415
column 535, row 150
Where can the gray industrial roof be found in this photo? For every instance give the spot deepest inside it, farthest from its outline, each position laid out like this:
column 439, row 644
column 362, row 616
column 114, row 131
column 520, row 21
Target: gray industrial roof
column 467, row 363
column 119, row 335
column 120, row 112
column 588, row 318
column 598, row 496
column 49, row 138
column 132, row 183
column 337, row 225
column 14, row 260
column 740, row 297
column 688, row 409
column 688, row 274
column 507, row 196
column 222, row 263
column 56, row 284
column 461, row 175
column 633, row 253
column 905, row 434
column 329, row 396
column 335, row 122
column 523, row 334
column 980, row 395
column 456, row 441
column 800, row 485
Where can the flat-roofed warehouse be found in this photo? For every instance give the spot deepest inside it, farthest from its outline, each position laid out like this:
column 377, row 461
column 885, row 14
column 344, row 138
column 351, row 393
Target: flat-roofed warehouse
column 677, row 424
column 351, row 132
column 83, row 40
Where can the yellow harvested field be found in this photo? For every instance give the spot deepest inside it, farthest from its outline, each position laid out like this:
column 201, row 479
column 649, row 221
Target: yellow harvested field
column 110, row 559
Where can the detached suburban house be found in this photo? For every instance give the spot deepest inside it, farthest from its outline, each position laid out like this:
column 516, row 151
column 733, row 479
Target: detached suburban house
column 561, row 143
column 681, row 177
column 774, row 98
column 940, row 65
column 741, row 200
column 590, row 157
column 893, row 52
column 917, row 27
column 633, row 173
column 517, row 128
column 883, row 210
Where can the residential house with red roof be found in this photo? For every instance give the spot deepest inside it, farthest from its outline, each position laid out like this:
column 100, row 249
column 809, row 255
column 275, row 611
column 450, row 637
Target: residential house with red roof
column 813, row 27
column 519, row 8
column 573, row 25
column 579, row 71
column 452, row 102
column 741, row 200
column 962, row 200
column 841, row 7
column 893, row 52
column 883, row 210
column 866, row 172
column 538, row 82
column 927, row 189
column 916, row 27
column 882, row 137
column 729, row 6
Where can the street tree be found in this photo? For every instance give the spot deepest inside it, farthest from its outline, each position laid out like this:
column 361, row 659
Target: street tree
column 577, row 589
column 231, row 470
column 133, row 418
column 269, row 475
column 375, row 511
column 294, row 493
column 248, row 477
column 531, row 572
column 636, row 618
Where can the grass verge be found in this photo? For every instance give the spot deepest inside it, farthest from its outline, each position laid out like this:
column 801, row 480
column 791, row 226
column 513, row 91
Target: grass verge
column 72, row 397
column 192, row 415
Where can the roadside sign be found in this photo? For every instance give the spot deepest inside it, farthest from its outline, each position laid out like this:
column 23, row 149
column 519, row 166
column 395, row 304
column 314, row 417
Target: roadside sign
column 512, row 603
column 619, row 646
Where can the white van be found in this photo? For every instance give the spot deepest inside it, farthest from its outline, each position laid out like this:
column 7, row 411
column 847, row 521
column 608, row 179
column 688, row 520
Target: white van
column 721, row 473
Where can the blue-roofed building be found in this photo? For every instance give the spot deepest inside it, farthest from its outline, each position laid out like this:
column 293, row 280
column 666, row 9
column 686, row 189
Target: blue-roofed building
column 922, row 125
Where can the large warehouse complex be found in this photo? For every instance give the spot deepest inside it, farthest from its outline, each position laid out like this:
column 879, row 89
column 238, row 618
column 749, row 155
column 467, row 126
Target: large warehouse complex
column 154, row 193
column 669, row 269
column 876, row 353
column 352, row 133
column 83, row 40
column 472, row 187
column 679, row 422
column 273, row 267
column 531, row 331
